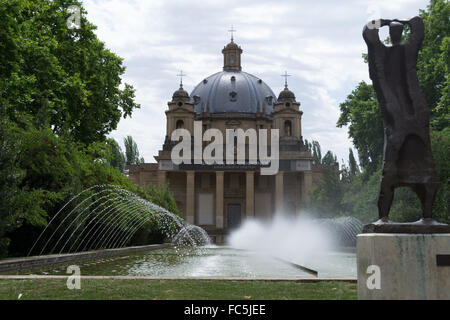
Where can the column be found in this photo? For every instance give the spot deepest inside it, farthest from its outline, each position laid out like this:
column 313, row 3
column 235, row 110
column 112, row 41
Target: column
column 190, row 196
column 138, row 175
column 307, row 185
column 219, row 199
column 249, row 194
column 162, row 179
column 279, row 192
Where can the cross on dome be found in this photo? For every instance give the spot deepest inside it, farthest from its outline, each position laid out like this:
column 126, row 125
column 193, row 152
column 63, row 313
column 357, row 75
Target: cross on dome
column 181, row 75
column 231, row 31
column 285, row 75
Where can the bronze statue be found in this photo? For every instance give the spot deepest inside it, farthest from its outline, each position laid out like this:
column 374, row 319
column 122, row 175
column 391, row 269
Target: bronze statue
column 407, row 158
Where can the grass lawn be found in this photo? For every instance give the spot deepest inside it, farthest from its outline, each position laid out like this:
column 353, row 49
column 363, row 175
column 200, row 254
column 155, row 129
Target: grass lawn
column 176, row 289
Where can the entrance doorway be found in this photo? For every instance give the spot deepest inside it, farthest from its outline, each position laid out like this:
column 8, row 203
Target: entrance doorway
column 233, row 216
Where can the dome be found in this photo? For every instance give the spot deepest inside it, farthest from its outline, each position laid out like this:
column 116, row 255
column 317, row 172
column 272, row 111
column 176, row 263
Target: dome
column 232, row 45
column 180, row 94
column 286, row 94
column 233, row 91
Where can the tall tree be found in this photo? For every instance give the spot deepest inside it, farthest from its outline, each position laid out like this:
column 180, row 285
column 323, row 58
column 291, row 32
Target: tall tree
column 329, row 159
column 360, row 111
column 66, row 78
column 353, row 166
column 316, row 152
column 132, row 151
column 117, row 157
column 433, row 63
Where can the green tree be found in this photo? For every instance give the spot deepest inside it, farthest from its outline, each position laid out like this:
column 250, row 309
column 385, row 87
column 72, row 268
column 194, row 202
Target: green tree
column 433, row 63
column 353, row 166
column 41, row 171
column 329, row 159
column 316, row 152
column 440, row 143
column 132, row 151
column 360, row 112
column 326, row 195
column 63, row 77
column 10, row 179
column 117, row 157
column 60, row 95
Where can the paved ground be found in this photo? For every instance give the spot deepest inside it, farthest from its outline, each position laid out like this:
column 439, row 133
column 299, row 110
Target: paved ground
column 19, row 277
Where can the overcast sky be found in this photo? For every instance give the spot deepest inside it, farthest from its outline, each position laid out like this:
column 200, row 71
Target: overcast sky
column 318, row 42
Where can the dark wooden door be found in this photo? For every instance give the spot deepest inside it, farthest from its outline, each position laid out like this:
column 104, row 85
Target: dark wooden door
column 233, row 216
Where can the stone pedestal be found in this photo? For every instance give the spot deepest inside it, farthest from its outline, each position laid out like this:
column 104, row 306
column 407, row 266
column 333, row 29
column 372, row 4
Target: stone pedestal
column 403, row 266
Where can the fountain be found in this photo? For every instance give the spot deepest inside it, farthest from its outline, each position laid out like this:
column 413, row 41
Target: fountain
column 106, row 217
column 326, row 245
column 343, row 230
column 103, row 218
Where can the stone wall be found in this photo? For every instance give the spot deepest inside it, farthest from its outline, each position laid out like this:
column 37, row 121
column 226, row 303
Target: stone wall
column 36, row 262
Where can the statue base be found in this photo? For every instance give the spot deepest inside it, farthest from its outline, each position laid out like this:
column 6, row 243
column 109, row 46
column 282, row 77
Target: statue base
column 423, row 226
column 403, row 266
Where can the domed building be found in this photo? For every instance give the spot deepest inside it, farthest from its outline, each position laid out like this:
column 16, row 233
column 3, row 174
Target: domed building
column 219, row 197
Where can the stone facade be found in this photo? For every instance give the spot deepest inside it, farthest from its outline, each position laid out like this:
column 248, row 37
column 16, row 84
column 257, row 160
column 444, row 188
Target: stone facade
column 220, row 197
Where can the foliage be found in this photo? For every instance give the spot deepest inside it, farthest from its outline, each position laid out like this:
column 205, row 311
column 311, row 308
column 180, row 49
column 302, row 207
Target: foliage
column 60, row 95
column 353, row 165
column 64, row 78
column 49, row 171
column 10, row 178
column 325, row 196
column 117, row 158
column 132, row 151
column 329, row 159
column 316, row 152
column 162, row 197
column 440, row 143
column 52, row 170
column 360, row 112
column 433, row 64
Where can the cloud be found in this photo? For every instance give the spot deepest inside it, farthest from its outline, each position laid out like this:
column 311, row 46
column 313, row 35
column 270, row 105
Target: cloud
column 319, row 43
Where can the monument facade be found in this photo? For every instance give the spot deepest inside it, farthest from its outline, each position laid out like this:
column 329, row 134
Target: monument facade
column 219, row 197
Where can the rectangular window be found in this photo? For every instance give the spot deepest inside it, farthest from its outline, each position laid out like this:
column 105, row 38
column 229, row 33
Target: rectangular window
column 205, row 209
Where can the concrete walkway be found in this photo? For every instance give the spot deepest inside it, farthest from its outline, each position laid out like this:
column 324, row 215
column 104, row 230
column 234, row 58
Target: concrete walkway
column 29, row 277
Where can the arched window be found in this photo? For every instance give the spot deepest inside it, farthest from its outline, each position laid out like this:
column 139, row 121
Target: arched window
column 180, row 124
column 288, row 128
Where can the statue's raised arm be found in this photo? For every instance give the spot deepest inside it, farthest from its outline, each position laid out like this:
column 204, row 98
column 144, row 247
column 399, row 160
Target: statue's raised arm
column 417, row 32
column 370, row 32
